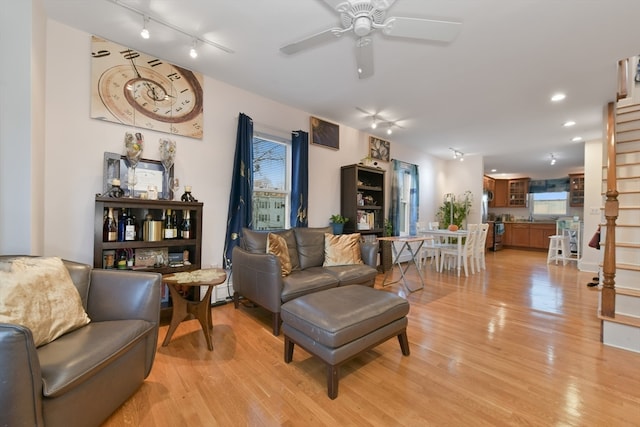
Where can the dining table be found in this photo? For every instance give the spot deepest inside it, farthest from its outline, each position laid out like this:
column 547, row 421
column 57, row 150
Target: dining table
column 449, row 236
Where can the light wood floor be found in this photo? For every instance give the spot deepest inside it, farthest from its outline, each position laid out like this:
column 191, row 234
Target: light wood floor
column 517, row 345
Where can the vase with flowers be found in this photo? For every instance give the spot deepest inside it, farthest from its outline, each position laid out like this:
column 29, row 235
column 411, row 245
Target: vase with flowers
column 167, row 158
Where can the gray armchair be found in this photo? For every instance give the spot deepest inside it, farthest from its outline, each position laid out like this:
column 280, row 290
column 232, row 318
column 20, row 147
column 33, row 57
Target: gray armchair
column 80, row 378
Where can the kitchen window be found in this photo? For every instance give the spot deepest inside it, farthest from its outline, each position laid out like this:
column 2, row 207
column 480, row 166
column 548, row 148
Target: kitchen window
column 549, row 204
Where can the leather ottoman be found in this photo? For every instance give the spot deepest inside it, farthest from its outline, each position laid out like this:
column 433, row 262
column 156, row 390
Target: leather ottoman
column 338, row 324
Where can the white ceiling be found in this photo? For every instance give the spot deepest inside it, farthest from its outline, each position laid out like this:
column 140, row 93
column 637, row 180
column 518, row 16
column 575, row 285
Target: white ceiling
column 487, row 93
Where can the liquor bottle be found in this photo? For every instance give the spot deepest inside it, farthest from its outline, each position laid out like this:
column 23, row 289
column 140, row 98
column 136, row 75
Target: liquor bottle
column 169, row 227
column 109, row 228
column 187, row 196
column 185, row 229
column 130, row 231
column 122, row 221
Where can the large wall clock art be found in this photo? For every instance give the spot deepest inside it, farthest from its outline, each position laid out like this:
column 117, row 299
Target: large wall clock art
column 137, row 89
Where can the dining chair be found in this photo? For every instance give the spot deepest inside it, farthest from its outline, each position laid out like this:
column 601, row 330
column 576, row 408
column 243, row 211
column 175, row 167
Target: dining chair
column 431, row 247
column 480, row 247
column 450, row 254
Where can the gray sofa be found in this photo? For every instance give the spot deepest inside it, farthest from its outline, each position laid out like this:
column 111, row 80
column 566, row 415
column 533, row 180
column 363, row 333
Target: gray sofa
column 81, row 377
column 257, row 275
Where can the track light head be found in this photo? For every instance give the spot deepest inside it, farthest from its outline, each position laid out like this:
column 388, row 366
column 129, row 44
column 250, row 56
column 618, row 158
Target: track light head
column 193, row 52
column 145, row 32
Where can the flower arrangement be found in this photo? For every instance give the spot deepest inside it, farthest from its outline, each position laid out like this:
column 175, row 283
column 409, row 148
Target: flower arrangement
column 454, row 210
column 167, row 152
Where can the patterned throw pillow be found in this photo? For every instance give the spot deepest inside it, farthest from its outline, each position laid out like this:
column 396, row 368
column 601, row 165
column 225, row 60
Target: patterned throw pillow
column 277, row 246
column 341, row 249
column 38, row 293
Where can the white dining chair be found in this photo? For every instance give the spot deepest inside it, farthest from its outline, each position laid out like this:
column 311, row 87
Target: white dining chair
column 449, row 255
column 480, row 249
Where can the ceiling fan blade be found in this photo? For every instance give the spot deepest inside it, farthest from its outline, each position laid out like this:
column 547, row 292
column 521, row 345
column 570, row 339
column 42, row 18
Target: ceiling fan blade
column 382, row 4
column 425, row 29
column 312, row 41
column 339, row 5
column 364, row 57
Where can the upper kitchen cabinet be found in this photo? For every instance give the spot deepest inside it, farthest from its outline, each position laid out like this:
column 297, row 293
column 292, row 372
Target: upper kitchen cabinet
column 500, row 194
column 576, row 190
column 518, row 189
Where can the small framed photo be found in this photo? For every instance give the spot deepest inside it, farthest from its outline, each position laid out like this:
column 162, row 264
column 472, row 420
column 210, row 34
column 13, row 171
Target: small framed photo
column 379, row 149
column 325, row 133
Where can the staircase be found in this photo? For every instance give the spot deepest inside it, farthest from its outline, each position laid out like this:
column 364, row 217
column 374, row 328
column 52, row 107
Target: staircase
column 622, row 327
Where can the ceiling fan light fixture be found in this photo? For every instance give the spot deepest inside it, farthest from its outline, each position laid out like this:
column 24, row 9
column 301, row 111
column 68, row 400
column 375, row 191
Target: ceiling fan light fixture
column 362, row 26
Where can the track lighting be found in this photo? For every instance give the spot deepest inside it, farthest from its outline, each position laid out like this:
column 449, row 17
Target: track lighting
column 374, row 123
column 147, row 18
column 459, row 155
column 389, row 131
column 553, row 160
column 145, row 32
column 193, row 52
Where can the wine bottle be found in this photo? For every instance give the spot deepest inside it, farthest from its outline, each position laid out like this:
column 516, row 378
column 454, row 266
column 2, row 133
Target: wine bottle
column 109, row 228
column 185, row 229
column 122, row 222
column 130, row 227
column 174, row 224
column 169, row 226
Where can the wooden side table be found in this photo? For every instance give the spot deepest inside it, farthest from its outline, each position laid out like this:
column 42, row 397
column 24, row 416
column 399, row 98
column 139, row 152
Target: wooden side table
column 183, row 307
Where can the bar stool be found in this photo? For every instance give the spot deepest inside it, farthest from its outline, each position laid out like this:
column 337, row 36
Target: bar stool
column 558, row 247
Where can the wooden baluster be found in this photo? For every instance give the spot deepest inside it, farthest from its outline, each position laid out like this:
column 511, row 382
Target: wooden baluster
column 611, row 214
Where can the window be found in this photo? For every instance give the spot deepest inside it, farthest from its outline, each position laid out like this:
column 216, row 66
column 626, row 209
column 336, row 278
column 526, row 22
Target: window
column 549, row 204
column 271, row 187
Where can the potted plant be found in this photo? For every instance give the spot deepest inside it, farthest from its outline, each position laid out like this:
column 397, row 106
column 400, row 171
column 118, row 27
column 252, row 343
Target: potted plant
column 337, row 222
column 454, row 210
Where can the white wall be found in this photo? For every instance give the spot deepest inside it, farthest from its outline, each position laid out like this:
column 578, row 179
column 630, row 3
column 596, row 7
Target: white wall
column 22, row 35
column 75, row 145
column 593, row 202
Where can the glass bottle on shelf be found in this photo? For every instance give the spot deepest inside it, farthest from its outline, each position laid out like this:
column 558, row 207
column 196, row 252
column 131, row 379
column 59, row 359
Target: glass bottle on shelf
column 187, row 196
column 130, row 231
column 185, row 229
column 169, row 229
column 122, row 221
column 109, row 228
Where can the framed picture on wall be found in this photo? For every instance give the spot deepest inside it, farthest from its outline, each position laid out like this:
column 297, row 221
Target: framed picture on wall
column 325, row 133
column 136, row 89
column 379, row 149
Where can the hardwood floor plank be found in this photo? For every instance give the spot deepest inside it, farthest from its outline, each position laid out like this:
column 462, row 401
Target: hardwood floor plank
column 517, row 344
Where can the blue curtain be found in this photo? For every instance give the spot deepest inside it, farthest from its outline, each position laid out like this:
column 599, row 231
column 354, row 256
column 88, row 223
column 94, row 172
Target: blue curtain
column 299, row 178
column 400, row 169
column 240, row 209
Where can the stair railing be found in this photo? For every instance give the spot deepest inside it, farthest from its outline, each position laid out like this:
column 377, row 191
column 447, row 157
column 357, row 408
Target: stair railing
column 608, row 306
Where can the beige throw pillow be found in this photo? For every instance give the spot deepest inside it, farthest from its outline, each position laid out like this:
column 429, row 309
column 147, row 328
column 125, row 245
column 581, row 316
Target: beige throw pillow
column 277, row 246
column 341, row 249
column 38, row 293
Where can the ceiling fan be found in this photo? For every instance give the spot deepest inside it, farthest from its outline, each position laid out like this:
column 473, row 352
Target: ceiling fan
column 362, row 17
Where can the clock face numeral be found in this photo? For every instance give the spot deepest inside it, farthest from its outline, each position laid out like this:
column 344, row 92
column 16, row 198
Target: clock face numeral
column 133, row 88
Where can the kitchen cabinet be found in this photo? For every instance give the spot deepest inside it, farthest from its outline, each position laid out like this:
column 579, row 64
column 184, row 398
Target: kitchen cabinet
column 520, row 235
column 518, row 189
column 576, row 190
column 539, row 235
column 528, row 235
column 508, row 234
column 500, row 194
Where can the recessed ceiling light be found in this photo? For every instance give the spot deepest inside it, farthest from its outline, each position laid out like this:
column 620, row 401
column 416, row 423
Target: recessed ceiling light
column 569, row 123
column 558, row 97
column 576, row 139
